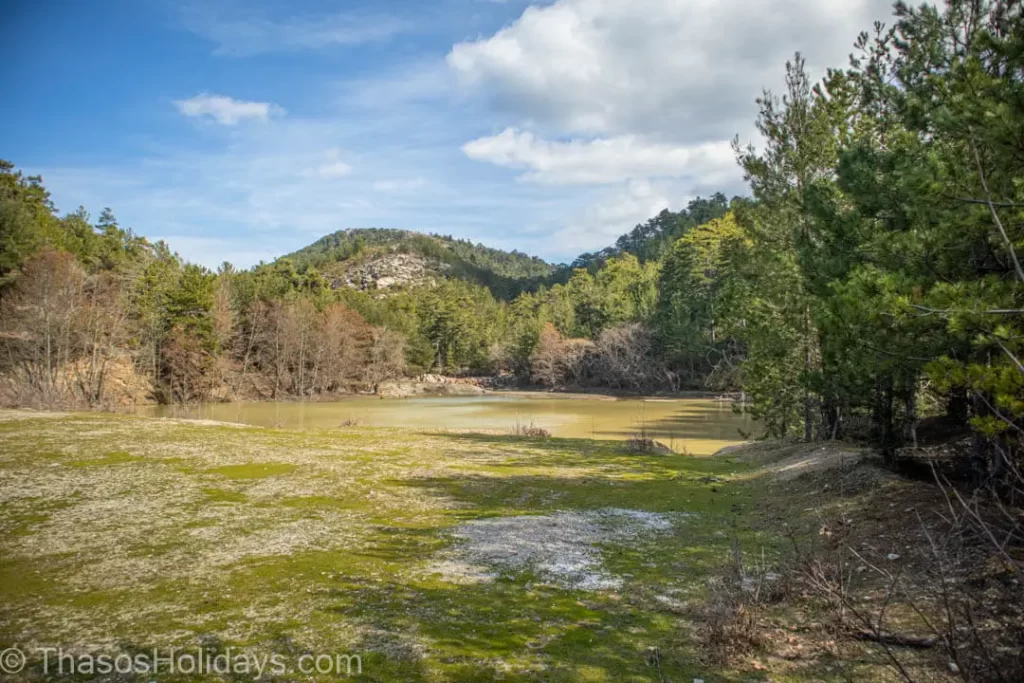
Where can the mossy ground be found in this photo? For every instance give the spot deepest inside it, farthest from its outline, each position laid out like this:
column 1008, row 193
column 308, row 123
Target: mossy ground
column 123, row 534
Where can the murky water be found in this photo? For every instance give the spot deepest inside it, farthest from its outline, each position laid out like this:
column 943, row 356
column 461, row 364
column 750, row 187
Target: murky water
column 700, row 426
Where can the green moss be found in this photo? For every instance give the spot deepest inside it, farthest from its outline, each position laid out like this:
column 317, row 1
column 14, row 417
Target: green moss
column 254, row 470
column 215, row 495
column 109, row 458
column 324, row 503
column 20, row 578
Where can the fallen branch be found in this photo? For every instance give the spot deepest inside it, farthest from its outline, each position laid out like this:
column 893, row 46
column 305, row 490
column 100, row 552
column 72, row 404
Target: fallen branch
column 899, row 639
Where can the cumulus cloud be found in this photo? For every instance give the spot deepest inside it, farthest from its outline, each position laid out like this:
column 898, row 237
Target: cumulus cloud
column 644, row 93
column 685, row 70
column 226, row 110
column 602, row 160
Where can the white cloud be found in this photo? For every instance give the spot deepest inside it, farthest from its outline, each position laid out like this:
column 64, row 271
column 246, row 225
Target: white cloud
column 334, row 169
column 614, row 214
column 424, row 81
column 685, row 70
column 603, row 160
column 240, row 34
column 399, row 185
column 227, row 110
column 647, row 93
column 332, row 166
column 212, row 251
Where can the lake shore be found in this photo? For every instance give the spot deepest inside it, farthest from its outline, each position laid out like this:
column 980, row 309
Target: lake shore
column 698, row 426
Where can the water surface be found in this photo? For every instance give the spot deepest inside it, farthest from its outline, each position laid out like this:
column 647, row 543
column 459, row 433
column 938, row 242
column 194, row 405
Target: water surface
column 699, row 426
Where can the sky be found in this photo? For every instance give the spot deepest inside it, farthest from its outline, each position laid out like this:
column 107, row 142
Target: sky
column 241, row 131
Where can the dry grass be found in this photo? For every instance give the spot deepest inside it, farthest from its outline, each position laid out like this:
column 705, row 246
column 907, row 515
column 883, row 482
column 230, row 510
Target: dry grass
column 530, row 430
column 896, row 577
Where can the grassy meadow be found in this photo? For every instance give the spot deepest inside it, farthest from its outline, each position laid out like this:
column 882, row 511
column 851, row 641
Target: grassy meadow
column 122, row 534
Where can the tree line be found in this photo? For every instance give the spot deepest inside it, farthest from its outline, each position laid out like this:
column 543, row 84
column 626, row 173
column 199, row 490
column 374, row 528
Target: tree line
column 874, row 277
column 870, row 280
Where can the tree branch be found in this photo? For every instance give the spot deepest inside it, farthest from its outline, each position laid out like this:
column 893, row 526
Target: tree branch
column 986, row 202
column 995, row 214
column 991, row 311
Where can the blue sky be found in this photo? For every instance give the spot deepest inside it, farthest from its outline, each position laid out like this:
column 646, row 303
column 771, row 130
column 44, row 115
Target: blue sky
column 244, row 130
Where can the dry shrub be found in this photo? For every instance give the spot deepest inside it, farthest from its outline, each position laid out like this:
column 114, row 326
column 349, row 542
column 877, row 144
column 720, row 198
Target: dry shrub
column 530, row 429
column 952, row 604
column 640, row 443
column 557, row 361
column 625, row 358
column 731, row 622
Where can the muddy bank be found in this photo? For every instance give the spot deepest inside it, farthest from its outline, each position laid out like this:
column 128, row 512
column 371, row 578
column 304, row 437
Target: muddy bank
column 432, row 385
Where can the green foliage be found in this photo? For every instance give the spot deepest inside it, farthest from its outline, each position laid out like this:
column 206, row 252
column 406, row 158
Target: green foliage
column 886, row 235
column 697, row 281
column 190, row 305
column 459, row 321
column 26, row 217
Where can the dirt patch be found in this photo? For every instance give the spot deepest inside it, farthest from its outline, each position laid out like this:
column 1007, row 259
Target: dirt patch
column 820, row 459
column 562, row 548
column 786, row 460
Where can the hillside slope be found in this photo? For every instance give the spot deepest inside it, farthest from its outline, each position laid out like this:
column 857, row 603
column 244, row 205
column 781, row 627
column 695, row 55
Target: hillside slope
column 378, row 258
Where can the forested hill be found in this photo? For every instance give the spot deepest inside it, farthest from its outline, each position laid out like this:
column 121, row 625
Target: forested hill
column 363, row 258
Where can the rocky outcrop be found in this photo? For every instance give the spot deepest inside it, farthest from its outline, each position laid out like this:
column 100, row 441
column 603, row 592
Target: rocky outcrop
column 390, row 269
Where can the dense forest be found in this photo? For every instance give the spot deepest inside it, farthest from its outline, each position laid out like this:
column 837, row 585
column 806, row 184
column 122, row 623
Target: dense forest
column 870, row 280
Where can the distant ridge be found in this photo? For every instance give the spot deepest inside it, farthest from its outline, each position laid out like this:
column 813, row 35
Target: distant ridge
column 380, row 258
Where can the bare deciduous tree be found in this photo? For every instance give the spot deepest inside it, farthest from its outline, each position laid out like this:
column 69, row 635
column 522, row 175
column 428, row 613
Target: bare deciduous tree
column 59, row 331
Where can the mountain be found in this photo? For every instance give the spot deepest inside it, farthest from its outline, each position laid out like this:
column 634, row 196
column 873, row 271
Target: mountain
column 378, row 258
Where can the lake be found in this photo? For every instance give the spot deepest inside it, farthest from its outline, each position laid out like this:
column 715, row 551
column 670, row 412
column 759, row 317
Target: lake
column 698, row 426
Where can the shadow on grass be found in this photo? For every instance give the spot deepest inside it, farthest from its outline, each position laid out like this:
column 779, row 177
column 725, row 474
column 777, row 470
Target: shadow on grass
column 484, row 495
column 686, row 426
column 572, row 453
column 514, row 630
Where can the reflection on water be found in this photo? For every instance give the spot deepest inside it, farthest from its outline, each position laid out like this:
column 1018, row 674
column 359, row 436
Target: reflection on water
column 701, row 426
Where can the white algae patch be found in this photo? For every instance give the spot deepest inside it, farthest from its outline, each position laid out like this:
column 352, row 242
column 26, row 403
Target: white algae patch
column 562, row 548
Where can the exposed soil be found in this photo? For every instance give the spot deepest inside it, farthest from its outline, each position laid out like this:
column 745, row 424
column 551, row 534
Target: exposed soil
column 562, row 548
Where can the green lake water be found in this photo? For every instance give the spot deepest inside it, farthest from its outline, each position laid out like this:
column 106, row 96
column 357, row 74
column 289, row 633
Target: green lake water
column 700, row 426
